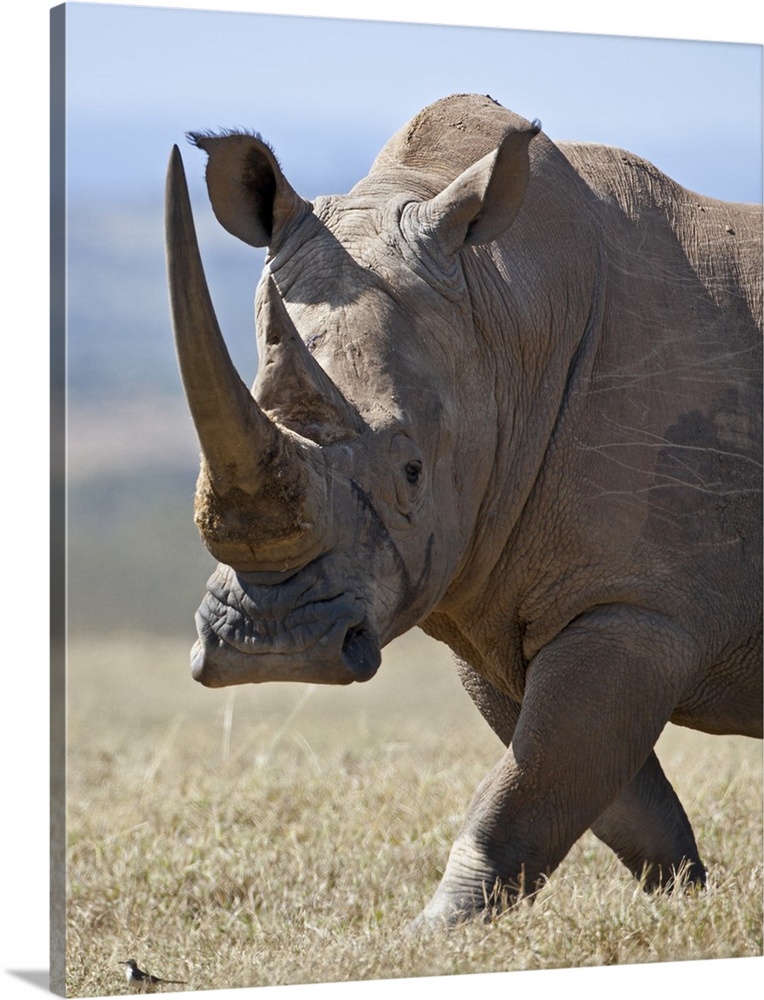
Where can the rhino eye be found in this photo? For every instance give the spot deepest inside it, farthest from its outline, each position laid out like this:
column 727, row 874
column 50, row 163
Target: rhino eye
column 407, row 475
column 413, row 472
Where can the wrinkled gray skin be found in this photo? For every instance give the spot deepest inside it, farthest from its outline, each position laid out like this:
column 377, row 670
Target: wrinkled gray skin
column 508, row 391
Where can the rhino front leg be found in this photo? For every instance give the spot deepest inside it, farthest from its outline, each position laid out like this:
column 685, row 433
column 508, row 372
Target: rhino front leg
column 646, row 826
column 596, row 700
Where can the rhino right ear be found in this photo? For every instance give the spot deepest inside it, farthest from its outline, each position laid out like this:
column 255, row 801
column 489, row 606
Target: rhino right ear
column 482, row 202
column 250, row 196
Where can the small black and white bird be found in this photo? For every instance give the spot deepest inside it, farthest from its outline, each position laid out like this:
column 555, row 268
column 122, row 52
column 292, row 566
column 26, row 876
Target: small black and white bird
column 139, row 980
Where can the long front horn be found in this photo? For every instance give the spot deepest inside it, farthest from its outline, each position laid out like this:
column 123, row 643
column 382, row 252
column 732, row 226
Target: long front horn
column 261, row 495
column 233, row 431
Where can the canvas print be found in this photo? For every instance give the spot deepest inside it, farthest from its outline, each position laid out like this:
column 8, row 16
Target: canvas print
column 413, row 611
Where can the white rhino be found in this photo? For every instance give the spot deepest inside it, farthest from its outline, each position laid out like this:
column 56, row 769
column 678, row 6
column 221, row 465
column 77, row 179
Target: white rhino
column 510, row 391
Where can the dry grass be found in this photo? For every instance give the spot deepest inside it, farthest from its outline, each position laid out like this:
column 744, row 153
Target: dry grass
column 262, row 836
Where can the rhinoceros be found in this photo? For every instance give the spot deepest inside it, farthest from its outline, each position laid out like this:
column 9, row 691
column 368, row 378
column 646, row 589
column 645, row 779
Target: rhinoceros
column 509, row 390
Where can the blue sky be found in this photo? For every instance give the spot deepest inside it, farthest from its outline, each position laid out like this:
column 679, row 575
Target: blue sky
column 328, row 92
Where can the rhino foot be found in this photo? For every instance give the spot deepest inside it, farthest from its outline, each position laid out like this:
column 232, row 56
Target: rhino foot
column 471, row 889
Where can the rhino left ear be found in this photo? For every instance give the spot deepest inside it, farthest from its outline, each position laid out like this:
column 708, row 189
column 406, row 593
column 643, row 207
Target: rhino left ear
column 484, row 199
column 250, row 196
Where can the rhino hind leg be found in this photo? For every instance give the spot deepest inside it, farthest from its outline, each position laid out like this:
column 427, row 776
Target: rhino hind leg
column 649, row 831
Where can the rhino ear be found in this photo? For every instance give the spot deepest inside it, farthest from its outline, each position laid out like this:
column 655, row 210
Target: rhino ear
column 250, row 196
column 484, row 199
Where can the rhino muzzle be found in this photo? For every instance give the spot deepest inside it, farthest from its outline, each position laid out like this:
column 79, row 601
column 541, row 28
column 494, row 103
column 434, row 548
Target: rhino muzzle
column 297, row 630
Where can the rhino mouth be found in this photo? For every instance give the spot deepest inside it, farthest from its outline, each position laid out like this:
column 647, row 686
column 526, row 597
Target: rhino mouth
column 297, row 630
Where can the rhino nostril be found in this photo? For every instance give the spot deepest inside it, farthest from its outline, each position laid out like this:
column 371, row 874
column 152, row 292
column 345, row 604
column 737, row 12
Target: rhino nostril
column 361, row 653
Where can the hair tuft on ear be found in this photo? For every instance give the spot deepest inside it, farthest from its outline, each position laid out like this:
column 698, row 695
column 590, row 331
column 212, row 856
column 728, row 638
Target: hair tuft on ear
column 250, row 195
column 197, row 138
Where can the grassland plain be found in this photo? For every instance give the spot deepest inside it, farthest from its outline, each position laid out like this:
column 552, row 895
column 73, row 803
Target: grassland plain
column 284, row 834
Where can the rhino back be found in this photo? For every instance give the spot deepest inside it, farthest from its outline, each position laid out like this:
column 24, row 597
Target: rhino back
column 721, row 240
